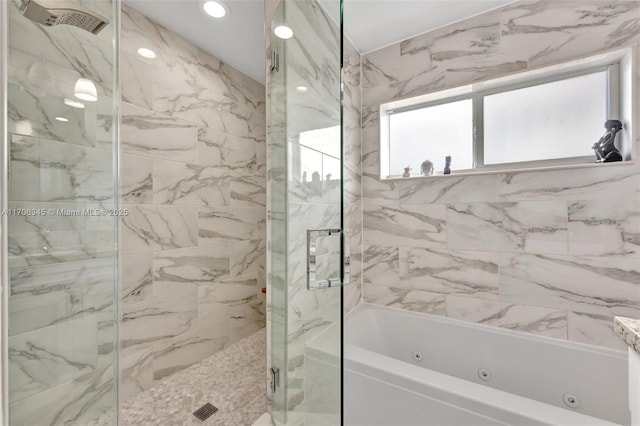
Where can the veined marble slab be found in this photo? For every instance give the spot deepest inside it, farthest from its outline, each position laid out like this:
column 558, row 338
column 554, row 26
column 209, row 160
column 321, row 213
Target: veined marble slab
column 530, row 319
column 151, row 133
column 149, row 228
column 176, row 270
column 532, row 227
column 450, row 271
column 136, row 277
column 409, row 225
column 159, row 319
column 51, row 355
column 190, row 184
column 136, row 179
column 595, row 285
column 605, row 227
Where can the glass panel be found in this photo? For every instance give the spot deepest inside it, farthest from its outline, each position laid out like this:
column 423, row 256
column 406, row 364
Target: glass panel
column 561, row 119
column 304, row 140
column 432, row 133
column 62, row 146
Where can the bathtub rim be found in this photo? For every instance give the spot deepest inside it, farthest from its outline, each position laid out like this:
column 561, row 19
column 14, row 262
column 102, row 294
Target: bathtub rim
column 365, row 307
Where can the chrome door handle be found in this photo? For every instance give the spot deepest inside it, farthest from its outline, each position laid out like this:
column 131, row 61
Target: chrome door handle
column 313, row 283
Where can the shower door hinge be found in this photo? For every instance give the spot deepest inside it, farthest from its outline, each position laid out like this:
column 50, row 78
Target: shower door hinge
column 275, row 379
column 275, row 60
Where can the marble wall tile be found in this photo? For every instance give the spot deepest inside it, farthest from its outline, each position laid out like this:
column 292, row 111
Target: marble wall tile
column 136, row 277
column 602, row 286
column 458, row 189
column 135, row 80
column 35, row 311
column 150, row 133
column 217, row 148
column 532, row 227
column 74, row 173
column 409, row 225
column 594, row 330
column 188, row 348
column 248, row 191
column 585, row 184
column 177, row 270
column 450, row 271
column 381, row 67
column 190, row 184
column 63, row 234
column 381, row 265
column 548, row 32
column 137, row 373
column 530, row 319
column 76, row 401
column 24, row 168
column 245, row 257
column 171, row 50
column 156, row 320
column 149, row 228
column 402, row 298
column 558, row 220
column 51, row 355
column 181, row 93
column 605, row 227
column 228, row 223
column 136, row 179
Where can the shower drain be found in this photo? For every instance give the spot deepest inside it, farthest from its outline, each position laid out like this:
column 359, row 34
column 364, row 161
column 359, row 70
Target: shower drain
column 204, row 412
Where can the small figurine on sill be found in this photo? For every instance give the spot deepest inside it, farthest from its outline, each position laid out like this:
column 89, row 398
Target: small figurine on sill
column 407, row 172
column 426, row 168
column 447, row 165
column 605, row 148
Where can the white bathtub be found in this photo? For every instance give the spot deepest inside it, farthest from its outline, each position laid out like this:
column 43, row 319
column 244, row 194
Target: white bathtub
column 529, row 375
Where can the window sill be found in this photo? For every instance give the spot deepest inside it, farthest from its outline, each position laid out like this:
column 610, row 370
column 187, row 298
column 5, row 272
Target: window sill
column 475, row 172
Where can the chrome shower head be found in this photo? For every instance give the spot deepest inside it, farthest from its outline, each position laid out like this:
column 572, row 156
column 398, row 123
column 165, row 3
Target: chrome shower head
column 62, row 12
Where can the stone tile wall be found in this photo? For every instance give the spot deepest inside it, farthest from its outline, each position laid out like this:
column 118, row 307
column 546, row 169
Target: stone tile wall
column 547, row 252
column 193, row 179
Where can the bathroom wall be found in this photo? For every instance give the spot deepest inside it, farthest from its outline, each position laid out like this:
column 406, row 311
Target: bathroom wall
column 555, row 253
column 61, row 262
column 193, row 180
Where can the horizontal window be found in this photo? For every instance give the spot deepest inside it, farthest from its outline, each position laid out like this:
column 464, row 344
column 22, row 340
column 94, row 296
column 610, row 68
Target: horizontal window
column 543, row 119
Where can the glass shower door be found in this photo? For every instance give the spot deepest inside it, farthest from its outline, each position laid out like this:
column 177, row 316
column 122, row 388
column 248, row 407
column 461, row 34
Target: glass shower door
column 308, row 262
column 61, row 213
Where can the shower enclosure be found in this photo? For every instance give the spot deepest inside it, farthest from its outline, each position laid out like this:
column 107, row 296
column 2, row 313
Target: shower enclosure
column 310, row 261
column 59, row 218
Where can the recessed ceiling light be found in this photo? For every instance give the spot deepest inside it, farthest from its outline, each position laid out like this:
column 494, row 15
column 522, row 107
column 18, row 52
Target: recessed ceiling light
column 302, row 89
column 86, row 90
column 63, row 119
column 73, row 104
column 215, row 8
column 283, row 32
column 146, row 53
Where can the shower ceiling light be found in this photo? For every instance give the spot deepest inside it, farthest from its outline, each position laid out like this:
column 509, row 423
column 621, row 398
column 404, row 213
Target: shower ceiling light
column 283, row 32
column 146, row 53
column 86, row 90
column 74, row 104
column 215, row 8
column 302, row 89
column 63, row 119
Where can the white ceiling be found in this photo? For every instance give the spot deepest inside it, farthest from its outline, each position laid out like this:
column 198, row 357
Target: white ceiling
column 237, row 40
column 370, row 24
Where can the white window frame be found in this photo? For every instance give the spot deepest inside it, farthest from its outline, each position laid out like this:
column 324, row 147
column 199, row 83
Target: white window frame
column 619, row 65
